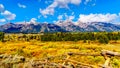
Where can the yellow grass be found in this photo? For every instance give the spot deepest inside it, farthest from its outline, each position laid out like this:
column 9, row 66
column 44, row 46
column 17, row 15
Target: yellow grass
column 38, row 50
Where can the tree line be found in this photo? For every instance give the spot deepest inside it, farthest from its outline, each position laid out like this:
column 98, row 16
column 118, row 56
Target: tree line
column 102, row 37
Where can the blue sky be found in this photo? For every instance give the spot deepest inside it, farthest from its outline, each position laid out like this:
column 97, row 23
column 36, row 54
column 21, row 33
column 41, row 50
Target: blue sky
column 54, row 10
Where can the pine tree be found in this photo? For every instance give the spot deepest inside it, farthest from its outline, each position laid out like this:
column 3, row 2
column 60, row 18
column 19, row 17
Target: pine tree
column 1, row 36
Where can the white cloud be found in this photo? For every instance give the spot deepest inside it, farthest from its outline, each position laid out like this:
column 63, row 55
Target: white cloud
column 49, row 10
column 67, row 17
column 58, row 3
column 71, row 17
column 98, row 18
column 33, row 21
column 60, row 17
column 8, row 15
column 2, row 20
column 93, row 2
column 1, row 8
column 64, row 3
column 21, row 5
column 76, row 2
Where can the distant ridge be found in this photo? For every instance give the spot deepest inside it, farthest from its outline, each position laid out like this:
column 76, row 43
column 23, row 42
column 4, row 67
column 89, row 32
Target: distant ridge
column 60, row 26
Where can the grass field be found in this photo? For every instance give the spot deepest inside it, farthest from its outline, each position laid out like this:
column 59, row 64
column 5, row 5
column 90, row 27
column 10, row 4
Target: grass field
column 38, row 50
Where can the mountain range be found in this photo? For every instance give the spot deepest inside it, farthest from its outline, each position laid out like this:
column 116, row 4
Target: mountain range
column 59, row 26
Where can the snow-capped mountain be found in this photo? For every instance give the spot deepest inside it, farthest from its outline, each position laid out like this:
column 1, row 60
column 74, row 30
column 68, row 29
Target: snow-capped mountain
column 59, row 26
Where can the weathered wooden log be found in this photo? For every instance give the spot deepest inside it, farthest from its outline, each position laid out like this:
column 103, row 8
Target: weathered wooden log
column 103, row 52
column 107, row 64
column 68, row 56
column 111, row 53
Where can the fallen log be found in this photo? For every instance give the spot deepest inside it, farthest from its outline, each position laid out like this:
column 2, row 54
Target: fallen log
column 111, row 53
column 107, row 64
column 103, row 52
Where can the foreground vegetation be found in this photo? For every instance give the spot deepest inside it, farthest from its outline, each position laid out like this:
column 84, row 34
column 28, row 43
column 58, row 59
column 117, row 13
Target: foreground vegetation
column 36, row 50
column 27, row 50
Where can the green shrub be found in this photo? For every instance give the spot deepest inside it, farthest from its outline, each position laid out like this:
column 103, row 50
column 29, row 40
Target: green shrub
column 103, row 39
